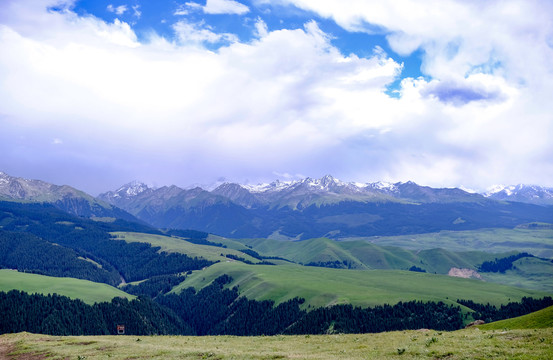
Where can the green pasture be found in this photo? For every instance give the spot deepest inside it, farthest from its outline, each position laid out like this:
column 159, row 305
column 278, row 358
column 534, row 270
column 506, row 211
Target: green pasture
column 88, row 291
column 180, row 245
column 538, row 242
column 324, row 286
column 529, row 344
column 536, row 320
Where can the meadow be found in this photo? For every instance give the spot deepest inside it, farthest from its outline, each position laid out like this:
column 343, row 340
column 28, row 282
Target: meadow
column 538, row 242
column 88, row 291
column 325, row 286
column 418, row 344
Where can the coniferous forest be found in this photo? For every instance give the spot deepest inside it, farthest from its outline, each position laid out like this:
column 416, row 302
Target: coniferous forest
column 216, row 310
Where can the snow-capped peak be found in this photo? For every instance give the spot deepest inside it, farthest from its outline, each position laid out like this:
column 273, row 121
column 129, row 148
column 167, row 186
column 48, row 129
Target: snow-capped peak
column 470, row 191
column 276, row 185
column 131, row 189
column 495, row 189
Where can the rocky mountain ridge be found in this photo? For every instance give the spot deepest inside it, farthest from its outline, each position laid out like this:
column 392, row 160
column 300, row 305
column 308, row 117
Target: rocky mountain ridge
column 328, row 189
column 64, row 197
column 320, row 207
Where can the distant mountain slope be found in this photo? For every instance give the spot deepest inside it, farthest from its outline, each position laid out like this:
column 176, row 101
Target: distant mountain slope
column 326, row 207
column 63, row 197
column 531, row 194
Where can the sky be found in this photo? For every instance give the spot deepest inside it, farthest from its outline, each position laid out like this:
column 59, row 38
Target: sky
column 446, row 93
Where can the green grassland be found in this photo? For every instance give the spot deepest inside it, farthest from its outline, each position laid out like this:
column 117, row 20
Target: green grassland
column 537, row 320
column 538, row 242
column 361, row 254
column 533, row 274
column 423, row 344
column 88, row 291
column 176, row 244
column 324, row 286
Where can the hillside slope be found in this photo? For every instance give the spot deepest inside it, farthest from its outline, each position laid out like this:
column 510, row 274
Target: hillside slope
column 88, row 291
column 324, row 286
column 537, row 320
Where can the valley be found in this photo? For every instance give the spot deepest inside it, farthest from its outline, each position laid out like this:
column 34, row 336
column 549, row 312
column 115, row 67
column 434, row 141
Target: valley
column 377, row 248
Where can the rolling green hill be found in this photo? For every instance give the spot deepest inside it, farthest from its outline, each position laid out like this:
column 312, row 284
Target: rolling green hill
column 179, row 245
column 530, row 273
column 536, row 241
column 88, row 291
column 324, row 286
column 537, row 320
column 361, row 254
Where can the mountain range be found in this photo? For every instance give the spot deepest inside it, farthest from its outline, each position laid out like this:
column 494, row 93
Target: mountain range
column 325, row 207
column 300, row 209
column 63, row 197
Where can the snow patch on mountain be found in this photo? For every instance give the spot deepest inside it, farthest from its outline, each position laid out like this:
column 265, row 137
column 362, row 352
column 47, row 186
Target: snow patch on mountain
column 131, row 189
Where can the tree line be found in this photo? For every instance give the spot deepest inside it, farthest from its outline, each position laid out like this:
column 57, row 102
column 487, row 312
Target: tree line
column 490, row 313
column 33, row 229
column 503, row 264
column 218, row 310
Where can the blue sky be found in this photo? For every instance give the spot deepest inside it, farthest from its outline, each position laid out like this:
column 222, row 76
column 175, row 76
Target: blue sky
column 444, row 93
column 160, row 16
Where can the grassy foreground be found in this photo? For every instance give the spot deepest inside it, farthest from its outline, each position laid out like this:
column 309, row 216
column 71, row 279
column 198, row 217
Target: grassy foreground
column 425, row 344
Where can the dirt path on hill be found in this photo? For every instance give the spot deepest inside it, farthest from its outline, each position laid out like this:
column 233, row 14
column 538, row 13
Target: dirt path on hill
column 5, row 349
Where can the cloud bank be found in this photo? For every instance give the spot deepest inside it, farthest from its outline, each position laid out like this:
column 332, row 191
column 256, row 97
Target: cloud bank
column 82, row 101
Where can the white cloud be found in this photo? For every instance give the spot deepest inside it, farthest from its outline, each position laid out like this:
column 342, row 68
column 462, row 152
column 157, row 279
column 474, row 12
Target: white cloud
column 214, row 7
column 261, row 29
column 136, row 11
column 288, row 102
column 200, row 32
column 182, row 9
column 225, row 7
column 119, row 10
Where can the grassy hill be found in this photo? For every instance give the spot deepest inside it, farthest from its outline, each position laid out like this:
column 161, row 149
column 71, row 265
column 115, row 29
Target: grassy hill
column 530, row 273
column 88, row 291
column 463, row 344
column 538, row 242
column 179, row 245
column 537, row 320
column 362, row 254
column 324, row 286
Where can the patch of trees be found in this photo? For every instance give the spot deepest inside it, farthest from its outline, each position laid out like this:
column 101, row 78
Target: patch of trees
column 331, row 264
column 257, row 256
column 490, row 313
column 215, row 310
column 60, row 315
column 155, row 286
column 29, row 253
column 194, row 237
column 401, row 316
column 134, row 261
column 246, row 261
column 416, row 269
column 503, row 264
column 138, row 261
